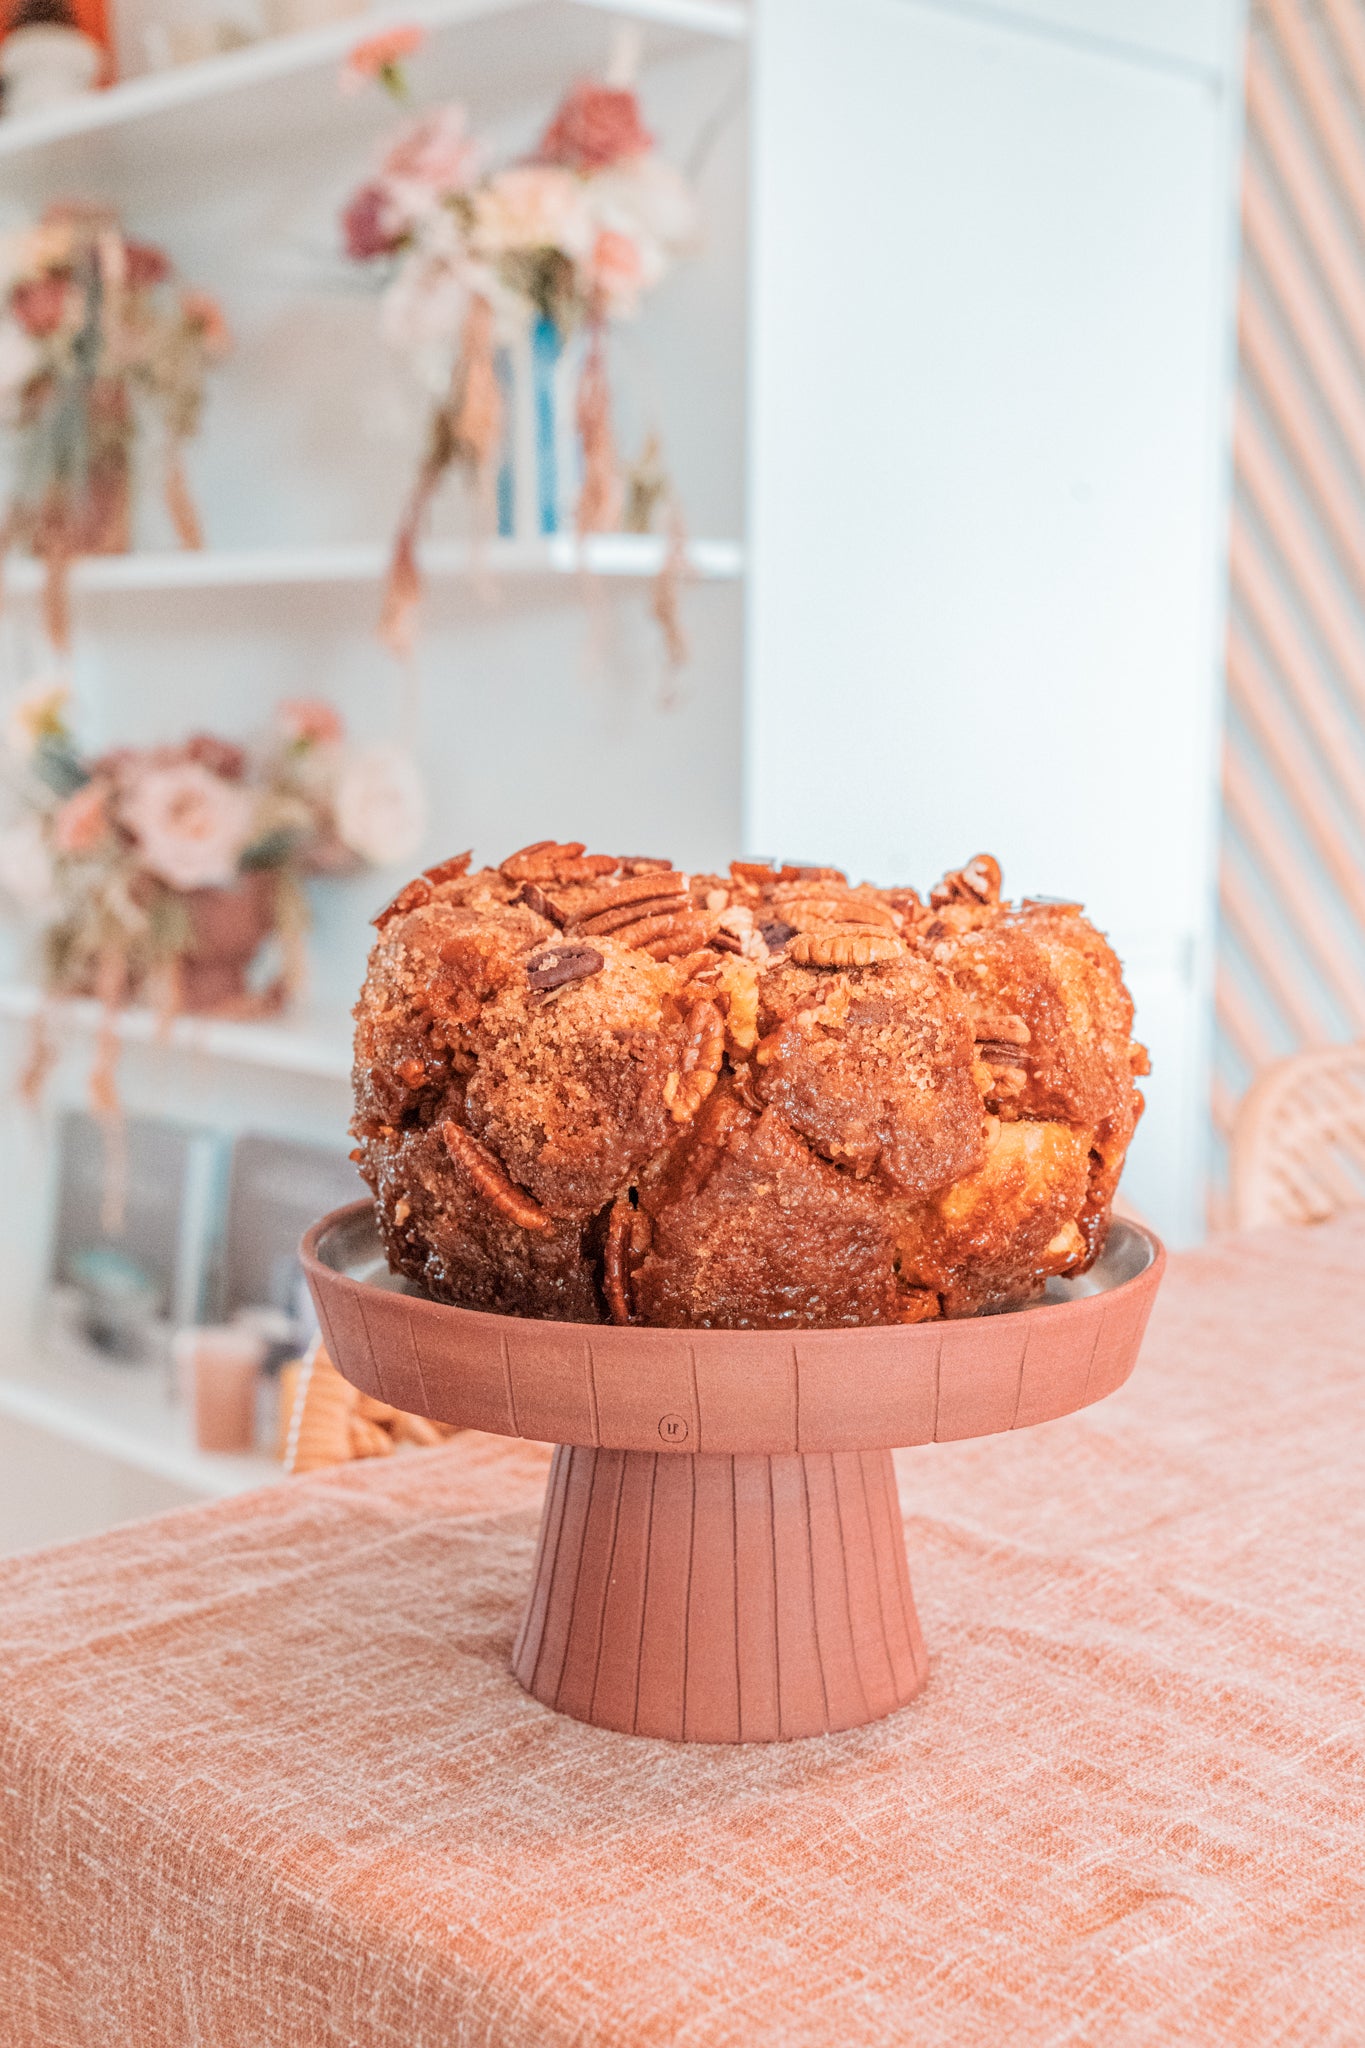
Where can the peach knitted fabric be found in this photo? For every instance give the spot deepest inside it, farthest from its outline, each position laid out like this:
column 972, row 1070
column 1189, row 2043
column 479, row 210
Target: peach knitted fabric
column 267, row 1781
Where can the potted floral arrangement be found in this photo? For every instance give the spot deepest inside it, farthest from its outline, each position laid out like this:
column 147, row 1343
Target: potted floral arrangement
column 486, row 270
column 96, row 337
column 157, row 874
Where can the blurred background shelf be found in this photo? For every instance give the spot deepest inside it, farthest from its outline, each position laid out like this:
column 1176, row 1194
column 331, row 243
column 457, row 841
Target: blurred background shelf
column 494, row 54
column 297, row 1044
column 607, row 554
column 121, row 1412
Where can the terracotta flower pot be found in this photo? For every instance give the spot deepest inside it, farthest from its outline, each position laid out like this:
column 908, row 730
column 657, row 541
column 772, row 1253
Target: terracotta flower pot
column 229, row 927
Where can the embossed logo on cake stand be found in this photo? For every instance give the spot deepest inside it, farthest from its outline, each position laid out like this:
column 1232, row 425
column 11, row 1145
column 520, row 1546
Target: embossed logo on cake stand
column 721, row 1554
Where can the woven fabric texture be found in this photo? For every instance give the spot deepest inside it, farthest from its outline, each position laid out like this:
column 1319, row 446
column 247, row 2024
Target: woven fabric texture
column 267, row 1781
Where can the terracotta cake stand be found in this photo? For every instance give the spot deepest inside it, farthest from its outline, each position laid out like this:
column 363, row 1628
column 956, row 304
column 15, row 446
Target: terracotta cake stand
column 721, row 1553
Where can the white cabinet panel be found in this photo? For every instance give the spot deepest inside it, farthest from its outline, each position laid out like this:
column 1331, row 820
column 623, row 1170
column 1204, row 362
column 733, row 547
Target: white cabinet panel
column 1197, row 33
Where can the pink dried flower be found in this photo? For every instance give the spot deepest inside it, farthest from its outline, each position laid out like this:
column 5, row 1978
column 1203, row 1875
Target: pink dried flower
column 40, row 305
column 380, row 59
column 617, row 267
column 220, row 757
column 594, row 127
column 371, row 224
column 202, row 311
column 310, row 722
column 144, row 265
column 190, row 826
column 381, row 805
column 435, row 152
column 82, row 821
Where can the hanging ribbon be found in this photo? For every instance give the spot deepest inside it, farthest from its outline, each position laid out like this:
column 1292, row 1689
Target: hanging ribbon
column 467, row 429
column 599, row 500
column 665, row 600
column 179, row 503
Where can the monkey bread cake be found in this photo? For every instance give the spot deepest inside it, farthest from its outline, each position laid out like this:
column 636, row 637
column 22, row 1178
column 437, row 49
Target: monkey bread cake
column 598, row 1089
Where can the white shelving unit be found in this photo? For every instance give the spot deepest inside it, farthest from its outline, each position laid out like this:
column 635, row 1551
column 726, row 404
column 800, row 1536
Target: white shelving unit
column 497, row 54
column 632, row 555
column 540, row 678
column 294, row 1044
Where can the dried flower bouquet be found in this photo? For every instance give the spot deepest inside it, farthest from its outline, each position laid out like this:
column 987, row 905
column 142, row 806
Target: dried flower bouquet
column 156, row 874
column 569, row 239
column 95, row 336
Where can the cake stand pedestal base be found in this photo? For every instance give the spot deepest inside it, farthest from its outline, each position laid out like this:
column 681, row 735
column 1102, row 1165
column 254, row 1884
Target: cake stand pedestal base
column 710, row 1598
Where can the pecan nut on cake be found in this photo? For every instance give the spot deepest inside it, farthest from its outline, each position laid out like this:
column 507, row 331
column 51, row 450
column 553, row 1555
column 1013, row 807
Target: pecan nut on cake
column 598, row 1089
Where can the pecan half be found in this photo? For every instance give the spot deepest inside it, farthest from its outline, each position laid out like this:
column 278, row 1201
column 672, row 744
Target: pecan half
column 642, row 931
column 534, row 897
column 848, row 946
column 449, row 870
column 622, row 914
column 631, row 889
column 977, row 882
column 1000, row 1053
column 616, row 1261
column 411, row 896
column 550, row 861
column 489, row 1176
column 558, row 965
column 684, row 935
column 687, row 1089
column 812, row 913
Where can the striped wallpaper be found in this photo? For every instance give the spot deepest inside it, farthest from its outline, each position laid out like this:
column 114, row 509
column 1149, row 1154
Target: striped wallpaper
column 1291, row 969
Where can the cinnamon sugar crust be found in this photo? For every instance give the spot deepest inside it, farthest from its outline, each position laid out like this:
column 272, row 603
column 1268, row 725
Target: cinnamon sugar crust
column 593, row 1088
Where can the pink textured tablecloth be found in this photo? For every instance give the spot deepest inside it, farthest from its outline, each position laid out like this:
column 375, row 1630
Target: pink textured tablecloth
column 267, row 1781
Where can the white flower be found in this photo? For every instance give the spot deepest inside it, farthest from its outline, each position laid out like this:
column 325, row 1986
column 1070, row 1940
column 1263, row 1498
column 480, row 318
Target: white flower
column 648, row 200
column 38, row 713
column 532, row 206
column 19, row 357
column 190, row 825
column 28, row 252
column 381, row 807
column 26, row 871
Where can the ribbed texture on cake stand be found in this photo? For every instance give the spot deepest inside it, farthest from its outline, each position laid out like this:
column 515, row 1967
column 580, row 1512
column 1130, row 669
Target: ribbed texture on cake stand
column 721, row 1599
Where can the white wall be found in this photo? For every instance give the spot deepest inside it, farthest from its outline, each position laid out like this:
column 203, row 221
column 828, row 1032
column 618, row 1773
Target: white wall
column 990, row 407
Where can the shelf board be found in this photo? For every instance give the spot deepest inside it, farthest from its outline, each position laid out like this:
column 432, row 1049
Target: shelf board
column 492, row 54
column 298, row 1044
column 603, row 554
column 121, row 1412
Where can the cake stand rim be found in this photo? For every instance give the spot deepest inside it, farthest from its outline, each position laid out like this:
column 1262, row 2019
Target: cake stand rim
column 489, row 1322
column 733, row 1392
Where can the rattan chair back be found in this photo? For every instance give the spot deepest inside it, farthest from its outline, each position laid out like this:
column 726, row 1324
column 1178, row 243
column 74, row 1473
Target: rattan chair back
column 1298, row 1145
